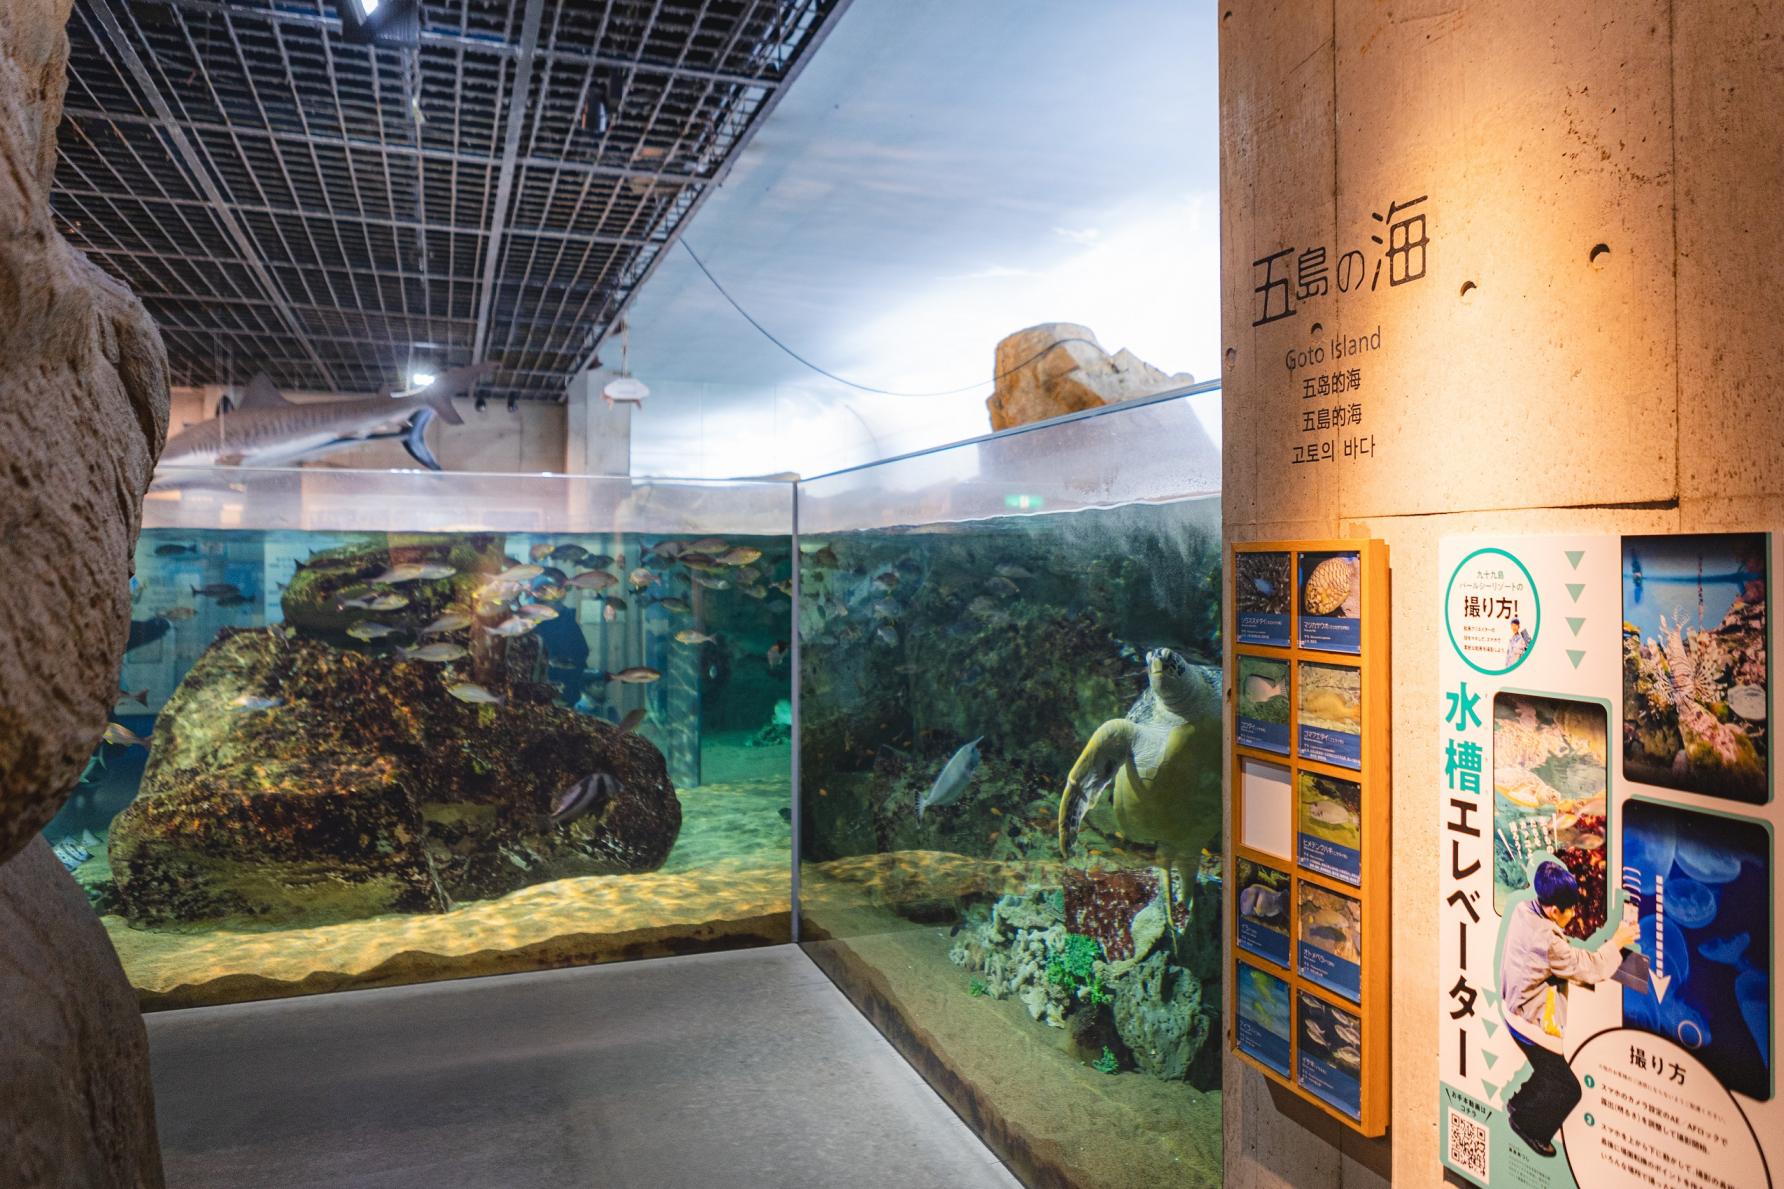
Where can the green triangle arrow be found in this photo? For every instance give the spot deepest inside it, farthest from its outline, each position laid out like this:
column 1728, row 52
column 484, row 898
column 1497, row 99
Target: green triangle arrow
column 1576, row 655
column 1490, row 1057
column 1490, row 1026
column 1574, row 589
column 1573, row 557
column 1492, row 1089
column 1576, row 624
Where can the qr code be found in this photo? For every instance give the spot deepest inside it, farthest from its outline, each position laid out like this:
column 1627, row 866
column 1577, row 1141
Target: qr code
column 1468, row 1145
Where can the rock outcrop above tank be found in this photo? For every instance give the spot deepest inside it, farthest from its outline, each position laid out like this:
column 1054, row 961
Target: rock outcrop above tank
column 1058, row 368
column 291, row 781
column 77, row 1104
column 83, row 412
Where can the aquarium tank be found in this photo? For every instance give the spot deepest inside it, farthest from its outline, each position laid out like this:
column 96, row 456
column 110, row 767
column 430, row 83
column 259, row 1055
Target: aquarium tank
column 1009, row 835
column 382, row 727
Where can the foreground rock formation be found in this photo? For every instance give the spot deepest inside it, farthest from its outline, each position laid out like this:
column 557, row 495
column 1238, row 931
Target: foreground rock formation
column 1035, row 382
column 83, row 412
column 292, row 781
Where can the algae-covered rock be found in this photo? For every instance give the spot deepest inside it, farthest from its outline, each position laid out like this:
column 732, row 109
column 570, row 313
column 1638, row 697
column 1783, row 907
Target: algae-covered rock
column 312, row 601
column 1159, row 1016
column 290, row 780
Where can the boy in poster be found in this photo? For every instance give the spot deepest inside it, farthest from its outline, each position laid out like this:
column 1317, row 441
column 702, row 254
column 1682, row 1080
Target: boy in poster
column 1535, row 967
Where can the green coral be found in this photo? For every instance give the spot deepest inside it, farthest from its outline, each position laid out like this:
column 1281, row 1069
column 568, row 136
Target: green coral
column 1095, row 994
column 1072, row 963
column 1106, row 1063
column 977, row 988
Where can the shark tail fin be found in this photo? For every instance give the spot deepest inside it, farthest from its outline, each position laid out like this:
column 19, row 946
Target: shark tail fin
column 456, row 382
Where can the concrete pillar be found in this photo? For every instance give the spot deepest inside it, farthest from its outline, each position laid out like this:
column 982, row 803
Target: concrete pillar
column 600, row 437
column 1587, row 349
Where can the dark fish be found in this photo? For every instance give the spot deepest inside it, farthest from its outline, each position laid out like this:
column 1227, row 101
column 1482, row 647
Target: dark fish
column 632, row 719
column 139, row 696
column 588, row 795
column 569, row 553
column 677, row 605
column 786, row 814
column 147, row 631
column 216, row 590
column 235, row 600
column 826, row 557
column 174, row 550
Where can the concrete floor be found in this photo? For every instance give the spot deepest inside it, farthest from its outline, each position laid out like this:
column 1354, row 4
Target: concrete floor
column 738, row 1069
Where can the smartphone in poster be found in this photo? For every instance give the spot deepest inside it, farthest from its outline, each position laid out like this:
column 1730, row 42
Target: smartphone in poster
column 1262, row 1021
column 1331, row 589
column 1263, row 591
column 1263, row 904
column 1263, row 704
column 1607, row 873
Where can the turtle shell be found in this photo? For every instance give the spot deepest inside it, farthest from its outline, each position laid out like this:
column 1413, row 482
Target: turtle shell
column 1329, row 585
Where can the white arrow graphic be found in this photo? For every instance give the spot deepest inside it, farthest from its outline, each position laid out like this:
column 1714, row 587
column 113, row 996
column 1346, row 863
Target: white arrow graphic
column 1658, row 976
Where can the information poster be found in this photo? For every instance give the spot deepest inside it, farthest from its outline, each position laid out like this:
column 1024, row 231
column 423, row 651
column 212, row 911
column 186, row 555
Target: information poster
column 1608, row 872
column 1263, row 910
column 1263, row 704
column 1263, row 1019
column 1263, row 590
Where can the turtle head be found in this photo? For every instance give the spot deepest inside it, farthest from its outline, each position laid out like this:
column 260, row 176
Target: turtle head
column 1186, row 690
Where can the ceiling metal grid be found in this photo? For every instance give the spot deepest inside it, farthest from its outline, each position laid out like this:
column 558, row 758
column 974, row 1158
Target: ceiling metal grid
column 338, row 214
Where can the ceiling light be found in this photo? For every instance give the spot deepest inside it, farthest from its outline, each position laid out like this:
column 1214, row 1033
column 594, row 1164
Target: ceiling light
column 388, row 22
column 418, row 379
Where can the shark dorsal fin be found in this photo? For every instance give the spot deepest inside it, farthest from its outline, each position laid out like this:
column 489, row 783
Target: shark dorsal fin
column 259, row 394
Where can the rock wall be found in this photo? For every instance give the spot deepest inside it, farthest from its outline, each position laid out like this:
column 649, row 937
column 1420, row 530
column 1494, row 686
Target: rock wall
column 1586, row 347
column 83, row 413
column 1035, row 382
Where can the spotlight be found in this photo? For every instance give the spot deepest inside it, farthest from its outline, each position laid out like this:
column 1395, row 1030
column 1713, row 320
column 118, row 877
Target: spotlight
column 388, row 22
column 420, row 379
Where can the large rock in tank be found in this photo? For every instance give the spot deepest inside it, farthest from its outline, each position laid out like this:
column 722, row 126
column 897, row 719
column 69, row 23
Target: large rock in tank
column 291, row 781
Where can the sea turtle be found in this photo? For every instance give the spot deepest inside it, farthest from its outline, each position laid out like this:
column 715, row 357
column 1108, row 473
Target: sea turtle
column 1163, row 759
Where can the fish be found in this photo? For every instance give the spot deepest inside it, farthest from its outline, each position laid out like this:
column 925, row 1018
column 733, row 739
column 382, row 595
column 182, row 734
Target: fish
column 118, row 734
column 570, row 552
column 368, row 631
column 253, row 702
column 1263, row 585
column 710, row 583
column 265, row 429
column 549, row 592
column 678, row 605
column 516, row 625
column 591, row 794
column 413, row 572
column 382, row 602
column 438, row 654
column 690, row 636
column 887, row 634
column 1348, row 1032
column 147, row 631
column 785, row 586
column 740, row 555
column 827, row 558
column 68, row 852
column 1261, row 903
column 1259, row 688
column 139, row 696
column 635, row 675
column 174, row 550
column 887, row 578
column 1331, row 813
column 179, row 614
column 1347, row 1055
column 215, row 590
column 777, row 652
column 235, row 600
column 1013, row 571
column 709, row 545
column 592, row 580
column 633, row 719
column 755, row 590
column 951, row 782
column 615, row 603
column 750, row 574
column 519, row 574
column 540, row 551
column 537, row 612
column 1314, row 1031
column 640, row 578
column 494, row 591
column 1002, row 586
column 469, row 691
column 811, row 544
column 451, row 621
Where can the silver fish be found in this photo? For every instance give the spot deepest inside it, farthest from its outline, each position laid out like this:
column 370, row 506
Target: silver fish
column 438, row 654
column 518, row 625
column 467, row 691
column 954, row 777
column 593, row 792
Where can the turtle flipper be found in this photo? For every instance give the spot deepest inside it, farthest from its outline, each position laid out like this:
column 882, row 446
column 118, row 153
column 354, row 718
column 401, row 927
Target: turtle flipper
column 1109, row 748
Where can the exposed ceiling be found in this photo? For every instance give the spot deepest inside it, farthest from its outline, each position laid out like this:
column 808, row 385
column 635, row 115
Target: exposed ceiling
column 339, row 215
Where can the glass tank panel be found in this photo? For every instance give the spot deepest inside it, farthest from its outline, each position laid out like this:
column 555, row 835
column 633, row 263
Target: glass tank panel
column 376, row 728
column 1010, row 780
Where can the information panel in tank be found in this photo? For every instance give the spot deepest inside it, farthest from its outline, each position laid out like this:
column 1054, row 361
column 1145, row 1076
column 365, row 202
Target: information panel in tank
column 1608, row 875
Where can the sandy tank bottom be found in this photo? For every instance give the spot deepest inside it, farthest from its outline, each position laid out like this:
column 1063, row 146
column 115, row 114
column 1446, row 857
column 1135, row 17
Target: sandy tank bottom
column 725, row 884
column 1052, row 1117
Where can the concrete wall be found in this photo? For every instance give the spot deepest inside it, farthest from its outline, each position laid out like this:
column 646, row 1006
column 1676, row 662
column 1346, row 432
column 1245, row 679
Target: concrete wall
column 526, row 441
column 1590, row 348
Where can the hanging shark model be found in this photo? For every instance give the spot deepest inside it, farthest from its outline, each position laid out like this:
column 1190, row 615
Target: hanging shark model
column 265, row 429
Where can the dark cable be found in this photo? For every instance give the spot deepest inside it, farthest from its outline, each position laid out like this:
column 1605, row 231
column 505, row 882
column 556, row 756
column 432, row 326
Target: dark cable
column 763, row 330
